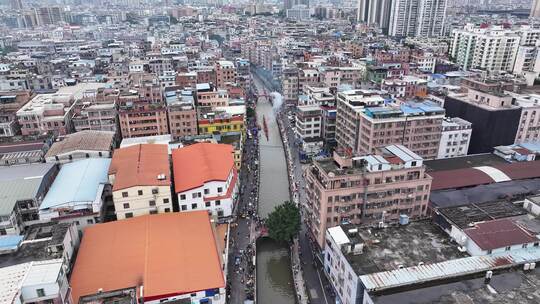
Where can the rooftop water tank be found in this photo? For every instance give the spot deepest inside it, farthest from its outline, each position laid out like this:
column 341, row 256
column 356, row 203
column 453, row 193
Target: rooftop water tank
column 403, row 219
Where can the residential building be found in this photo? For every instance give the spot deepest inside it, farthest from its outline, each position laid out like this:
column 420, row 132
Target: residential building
column 424, row 61
column 529, row 122
column 22, row 189
column 417, row 126
column 375, row 12
column 141, row 117
column 491, row 48
column 319, row 96
column 10, row 103
column 186, row 80
column 290, row 86
column 81, row 145
column 41, row 281
column 366, row 190
column 455, row 137
column 299, row 13
column 350, row 105
column 97, row 110
column 329, row 127
column 41, row 242
column 419, row 18
column 46, row 113
column 161, row 267
column 68, row 201
column 221, row 122
column 308, row 128
column 405, row 87
column 494, row 116
column 225, row 73
column 235, row 139
column 208, row 97
column 182, row 114
column 206, row 178
column 141, row 180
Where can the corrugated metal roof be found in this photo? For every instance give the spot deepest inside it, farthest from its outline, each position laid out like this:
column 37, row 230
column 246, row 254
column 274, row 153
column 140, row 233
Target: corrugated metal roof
column 465, row 177
column 20, row 183
column 10, row 241
column 77, row 182
column 448, row 269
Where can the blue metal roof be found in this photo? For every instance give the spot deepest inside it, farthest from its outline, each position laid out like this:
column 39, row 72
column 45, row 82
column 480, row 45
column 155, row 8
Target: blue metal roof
column 77, row 182
column 8, row 242
column 410, row 110
column 532, row 146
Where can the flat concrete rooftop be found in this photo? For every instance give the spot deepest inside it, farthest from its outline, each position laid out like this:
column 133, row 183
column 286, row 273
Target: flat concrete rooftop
column 389, row 248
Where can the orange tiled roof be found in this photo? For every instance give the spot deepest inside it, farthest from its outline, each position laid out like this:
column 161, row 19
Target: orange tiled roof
column 168, row 254
column 140, row 165
column 199, row 163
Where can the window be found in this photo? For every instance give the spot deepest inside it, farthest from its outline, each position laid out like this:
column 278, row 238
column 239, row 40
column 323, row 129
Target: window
column 167, row 210
column 194, row 195
column 129, row 215
column 193, row 206
column 507, row 248
column 40, row 292
column 184, row 207
column 89, row 221
column 218, row 203
column 155, row 191
column 207, row 204
column 219, row 189
column 524, row 246
column 140, row 192
column 152, row 203
column 77, row 223
column 165, row 200
column 206, row 191
column 182, row 197
column 153, row 211
column 124, row 194
column 126, row 205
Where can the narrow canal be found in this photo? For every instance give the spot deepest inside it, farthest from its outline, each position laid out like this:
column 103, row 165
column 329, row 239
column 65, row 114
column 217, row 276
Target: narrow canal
column 274, row 277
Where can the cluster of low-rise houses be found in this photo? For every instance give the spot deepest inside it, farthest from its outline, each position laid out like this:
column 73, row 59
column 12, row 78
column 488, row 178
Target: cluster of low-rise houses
column 122, row 139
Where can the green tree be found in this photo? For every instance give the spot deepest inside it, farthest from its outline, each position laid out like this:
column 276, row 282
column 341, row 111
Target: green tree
column 284, row 222
column 250, row 112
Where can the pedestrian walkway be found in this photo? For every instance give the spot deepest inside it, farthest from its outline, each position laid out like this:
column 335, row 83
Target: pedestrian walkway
column 298, row 274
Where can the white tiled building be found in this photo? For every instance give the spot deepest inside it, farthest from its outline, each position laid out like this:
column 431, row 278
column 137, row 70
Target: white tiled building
column 455, row 137
column 34, row 282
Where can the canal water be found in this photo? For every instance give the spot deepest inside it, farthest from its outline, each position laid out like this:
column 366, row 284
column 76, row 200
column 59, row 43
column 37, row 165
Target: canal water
column 274, row 277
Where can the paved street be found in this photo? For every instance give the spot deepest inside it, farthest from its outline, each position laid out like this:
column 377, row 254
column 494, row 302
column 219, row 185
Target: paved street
column 241, row 268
